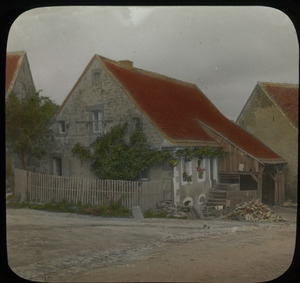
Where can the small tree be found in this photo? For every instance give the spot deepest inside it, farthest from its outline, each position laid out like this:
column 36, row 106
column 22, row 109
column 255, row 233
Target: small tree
column 27, row 125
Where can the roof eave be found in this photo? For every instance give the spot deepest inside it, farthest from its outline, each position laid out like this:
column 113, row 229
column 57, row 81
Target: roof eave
column 185, row 142
column 273, row 161
column 260, row 160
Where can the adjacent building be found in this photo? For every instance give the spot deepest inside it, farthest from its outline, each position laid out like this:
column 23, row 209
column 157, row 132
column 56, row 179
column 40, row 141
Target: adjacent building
column 271, row 114
column 18, row 78
column 18, row 81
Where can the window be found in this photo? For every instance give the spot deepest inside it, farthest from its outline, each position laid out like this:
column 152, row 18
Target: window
column 61, row 127
column 201, row 170
column 97, row 117
column 186, row 171
column 96, row 77
column 202, row 199
column 57, row 168
column 136, row 122
column 188, row 201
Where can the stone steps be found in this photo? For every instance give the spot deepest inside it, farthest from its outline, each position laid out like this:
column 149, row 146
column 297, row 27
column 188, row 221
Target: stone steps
column 217, row 200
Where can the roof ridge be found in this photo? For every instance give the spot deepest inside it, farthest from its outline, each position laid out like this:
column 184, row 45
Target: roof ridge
column 288, row 85
column 274, row 100
column 16, row 52
column 145, row 72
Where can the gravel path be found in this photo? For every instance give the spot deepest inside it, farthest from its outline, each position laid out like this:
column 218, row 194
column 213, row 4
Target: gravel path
column 49, row 246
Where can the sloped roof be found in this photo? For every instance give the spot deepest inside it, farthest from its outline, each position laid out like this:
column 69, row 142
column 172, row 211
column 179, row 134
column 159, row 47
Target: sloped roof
column 13, row 63
column 176, row 108
column 285, row 97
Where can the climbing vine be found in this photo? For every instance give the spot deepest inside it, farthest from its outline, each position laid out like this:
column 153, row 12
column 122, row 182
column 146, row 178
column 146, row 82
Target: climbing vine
column 115, row 156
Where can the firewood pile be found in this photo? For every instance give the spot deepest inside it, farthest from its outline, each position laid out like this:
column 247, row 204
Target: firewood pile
column 254, row 211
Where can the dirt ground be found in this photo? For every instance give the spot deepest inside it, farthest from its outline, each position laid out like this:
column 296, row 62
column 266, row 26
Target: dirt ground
column 64, row 247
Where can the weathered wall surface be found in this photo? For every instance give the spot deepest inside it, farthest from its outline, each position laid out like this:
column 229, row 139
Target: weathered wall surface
column 261, row 118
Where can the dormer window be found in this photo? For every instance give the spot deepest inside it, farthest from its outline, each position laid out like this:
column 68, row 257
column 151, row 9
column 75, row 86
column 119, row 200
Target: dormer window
column 97, row 119
column 61, row 127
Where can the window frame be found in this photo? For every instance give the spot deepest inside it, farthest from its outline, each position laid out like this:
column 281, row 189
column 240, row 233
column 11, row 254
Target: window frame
column 186, row 167
column 96, row 77
column 61, row 127
column 203, row 165
column 98, row 126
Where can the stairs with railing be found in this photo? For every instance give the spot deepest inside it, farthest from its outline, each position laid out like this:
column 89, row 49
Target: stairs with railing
column 217, row 199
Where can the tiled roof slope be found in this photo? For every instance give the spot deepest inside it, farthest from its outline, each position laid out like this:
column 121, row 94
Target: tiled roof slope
column 13, row 63
column 175, row 107
column 284, row 96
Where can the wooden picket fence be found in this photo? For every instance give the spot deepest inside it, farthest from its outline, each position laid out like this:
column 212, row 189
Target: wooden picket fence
column 43, row 188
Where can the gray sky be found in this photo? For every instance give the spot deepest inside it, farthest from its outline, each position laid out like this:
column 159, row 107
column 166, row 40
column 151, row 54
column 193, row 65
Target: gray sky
column 224, row 50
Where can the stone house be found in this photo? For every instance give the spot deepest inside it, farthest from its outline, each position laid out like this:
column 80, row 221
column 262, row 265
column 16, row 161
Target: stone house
column 18, row 78
column 271, row 114
column 174, row 115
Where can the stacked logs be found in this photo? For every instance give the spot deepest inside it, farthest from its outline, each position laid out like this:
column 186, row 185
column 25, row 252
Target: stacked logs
column 254, row 211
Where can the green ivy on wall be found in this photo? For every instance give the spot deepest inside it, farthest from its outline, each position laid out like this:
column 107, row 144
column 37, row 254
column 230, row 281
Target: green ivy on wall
column 112, row 156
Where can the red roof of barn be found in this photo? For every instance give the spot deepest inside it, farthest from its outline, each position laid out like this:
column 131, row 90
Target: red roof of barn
column 13, row 63
column 285, row 97
column 178, row 108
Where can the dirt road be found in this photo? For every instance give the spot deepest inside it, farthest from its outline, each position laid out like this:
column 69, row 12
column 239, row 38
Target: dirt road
column 78, row 248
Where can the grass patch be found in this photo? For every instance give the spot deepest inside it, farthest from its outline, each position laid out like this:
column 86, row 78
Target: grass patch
column 161, row 214
column 155, row 214
column 112, row 209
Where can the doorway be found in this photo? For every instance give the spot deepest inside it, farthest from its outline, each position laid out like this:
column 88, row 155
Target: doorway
column 268, row 188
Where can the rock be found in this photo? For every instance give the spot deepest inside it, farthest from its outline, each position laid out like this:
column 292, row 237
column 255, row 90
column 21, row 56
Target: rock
column 137, row 213
column 173, row 211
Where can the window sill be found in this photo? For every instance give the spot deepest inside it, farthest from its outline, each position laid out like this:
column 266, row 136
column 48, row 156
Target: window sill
column 186, row 182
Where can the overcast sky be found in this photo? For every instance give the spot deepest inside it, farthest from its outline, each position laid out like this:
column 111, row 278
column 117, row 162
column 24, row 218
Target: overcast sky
column 224, row 50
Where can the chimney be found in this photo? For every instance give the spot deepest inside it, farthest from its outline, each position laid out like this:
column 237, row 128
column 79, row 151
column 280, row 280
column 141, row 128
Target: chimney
column 126, row 63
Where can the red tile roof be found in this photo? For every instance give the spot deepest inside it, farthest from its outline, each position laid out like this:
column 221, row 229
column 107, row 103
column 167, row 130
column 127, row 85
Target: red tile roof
column 285, row 96
column 13, row 61
column 175, row 107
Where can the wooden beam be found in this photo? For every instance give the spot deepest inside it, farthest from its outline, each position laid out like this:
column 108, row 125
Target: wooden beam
column 259, row 183
column 255, row 178
column 273, row 177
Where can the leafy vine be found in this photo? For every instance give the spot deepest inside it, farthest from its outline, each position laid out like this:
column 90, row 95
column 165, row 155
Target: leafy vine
column 112, row 156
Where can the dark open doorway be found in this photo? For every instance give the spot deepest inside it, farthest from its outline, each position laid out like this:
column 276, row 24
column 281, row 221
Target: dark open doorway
column 268, row 187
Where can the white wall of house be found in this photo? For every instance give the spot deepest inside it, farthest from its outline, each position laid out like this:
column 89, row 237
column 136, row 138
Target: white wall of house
column 195, row 188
